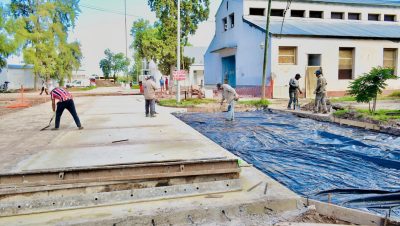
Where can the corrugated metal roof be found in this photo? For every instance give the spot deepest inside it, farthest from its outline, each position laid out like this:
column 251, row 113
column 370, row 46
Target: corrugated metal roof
column 19, row 66
column 362, row 2
column 395, row 3
column 331, row 28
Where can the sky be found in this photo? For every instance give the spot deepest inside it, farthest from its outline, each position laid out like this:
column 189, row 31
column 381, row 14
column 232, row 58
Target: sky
column 101, row 25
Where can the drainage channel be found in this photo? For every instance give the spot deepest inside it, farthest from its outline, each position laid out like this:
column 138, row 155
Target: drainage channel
column 347, row 166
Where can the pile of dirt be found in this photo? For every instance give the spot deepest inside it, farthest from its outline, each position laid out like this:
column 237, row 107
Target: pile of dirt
column 105, row 83
column 312, row 216
column 310, row 106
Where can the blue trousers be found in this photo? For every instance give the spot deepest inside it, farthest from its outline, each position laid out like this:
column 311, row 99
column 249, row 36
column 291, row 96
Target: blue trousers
column 70, row 106
column 150, row 107
column 231, row 111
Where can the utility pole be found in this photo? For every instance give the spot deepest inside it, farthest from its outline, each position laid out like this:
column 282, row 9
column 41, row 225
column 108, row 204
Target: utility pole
column 178, row 53
column 126, row 35
column 266, row 48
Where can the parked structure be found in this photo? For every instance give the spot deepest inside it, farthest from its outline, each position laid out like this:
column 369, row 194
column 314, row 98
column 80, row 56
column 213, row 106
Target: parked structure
column 343, row 38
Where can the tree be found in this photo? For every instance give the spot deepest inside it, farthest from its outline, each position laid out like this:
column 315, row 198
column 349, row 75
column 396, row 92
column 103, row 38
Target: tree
column 367, row 87
column 46, row 26
column 105, row 66
column 10, row 38
column 119, row 63
column 192, row 13
column 113, row 63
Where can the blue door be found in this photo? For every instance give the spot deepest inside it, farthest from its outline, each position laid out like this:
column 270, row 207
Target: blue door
column 229, row 70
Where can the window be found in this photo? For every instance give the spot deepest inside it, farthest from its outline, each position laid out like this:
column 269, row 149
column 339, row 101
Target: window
column 390, row 58
column 391, row 18
column 316, row 14
column 354, row 16
column 346, row 63
column 297, row 13
column 232, row 20
column 314, row 60
column 257, row 11
column 373, row 17
column 337, row 15
column 287, row 55
column 225, row 24
column 227, row 5
column 277, row 12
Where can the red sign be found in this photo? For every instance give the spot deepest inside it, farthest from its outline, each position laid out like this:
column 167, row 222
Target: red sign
column 179, row 75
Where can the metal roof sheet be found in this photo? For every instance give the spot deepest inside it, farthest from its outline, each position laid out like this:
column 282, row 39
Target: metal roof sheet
column 330, row 28
column 19, row 66
column 395, row 3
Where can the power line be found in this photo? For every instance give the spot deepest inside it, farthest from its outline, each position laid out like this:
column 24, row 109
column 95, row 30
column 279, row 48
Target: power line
column 107, row 10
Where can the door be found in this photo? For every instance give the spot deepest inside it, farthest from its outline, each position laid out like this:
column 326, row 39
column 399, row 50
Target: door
column 229, row 70
column 314, row 63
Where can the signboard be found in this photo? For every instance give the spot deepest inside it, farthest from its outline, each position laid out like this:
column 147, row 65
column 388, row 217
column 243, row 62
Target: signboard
column 179, row 75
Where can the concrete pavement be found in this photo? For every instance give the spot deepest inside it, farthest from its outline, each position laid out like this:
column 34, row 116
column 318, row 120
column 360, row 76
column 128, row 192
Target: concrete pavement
column 116, row 118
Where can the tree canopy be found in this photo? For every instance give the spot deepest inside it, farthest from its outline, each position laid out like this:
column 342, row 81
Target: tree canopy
column 45, row 29
column 192, row 12
column 113, row 63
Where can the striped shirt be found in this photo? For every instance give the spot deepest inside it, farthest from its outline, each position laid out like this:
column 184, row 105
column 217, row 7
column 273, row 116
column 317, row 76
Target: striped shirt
column 60, row 94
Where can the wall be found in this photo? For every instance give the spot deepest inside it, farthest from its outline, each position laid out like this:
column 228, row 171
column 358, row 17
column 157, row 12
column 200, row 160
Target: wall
column 326, row 7
column 368, row 54
column 18, row 77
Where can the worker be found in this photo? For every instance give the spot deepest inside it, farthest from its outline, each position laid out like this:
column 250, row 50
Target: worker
column 65, row 101
column 166, row 83
column 229, row 94
column 162, row 81
column 320, row 93
column 44, row 88
column 294, row 89
column 150, row 88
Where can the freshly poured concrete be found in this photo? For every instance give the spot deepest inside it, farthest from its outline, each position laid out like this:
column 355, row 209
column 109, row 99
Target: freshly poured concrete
column 108, row 119
column 114, row 119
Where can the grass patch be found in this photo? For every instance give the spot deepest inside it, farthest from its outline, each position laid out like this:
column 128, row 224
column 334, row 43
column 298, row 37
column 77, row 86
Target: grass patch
column 256, row 103
column 379, row 115
column 136, row 86
column 395, row 94
column 185, row 103
column 342, row 99
column 82, row 88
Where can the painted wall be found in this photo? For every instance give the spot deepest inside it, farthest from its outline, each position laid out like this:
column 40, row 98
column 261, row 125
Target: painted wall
column 18, row 77
column 249, row 52
column 367, row 54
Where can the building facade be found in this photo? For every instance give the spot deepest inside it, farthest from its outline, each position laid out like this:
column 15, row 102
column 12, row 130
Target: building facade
column 344, row 38
column 196, row 70
column 19, row 75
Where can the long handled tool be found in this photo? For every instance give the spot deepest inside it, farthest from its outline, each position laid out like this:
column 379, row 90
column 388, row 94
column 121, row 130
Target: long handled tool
column 44, row 128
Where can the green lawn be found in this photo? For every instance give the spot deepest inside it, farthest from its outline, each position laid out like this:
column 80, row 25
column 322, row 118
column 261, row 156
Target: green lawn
column 379, row 115
column 82, row 88
column 185, row 103
column 393, row 96
column 136, row 86
column 255, row 103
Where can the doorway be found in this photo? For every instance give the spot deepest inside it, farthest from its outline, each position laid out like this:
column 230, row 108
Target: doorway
column 314, row 63
column 229, row 70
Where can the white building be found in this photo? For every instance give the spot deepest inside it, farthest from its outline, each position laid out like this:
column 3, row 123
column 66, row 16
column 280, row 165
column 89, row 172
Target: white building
column 19, row 75
column 344, row 38
column 196, row 70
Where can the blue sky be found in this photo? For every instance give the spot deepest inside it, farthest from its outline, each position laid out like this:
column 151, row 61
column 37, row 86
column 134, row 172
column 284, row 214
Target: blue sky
column 98, row 29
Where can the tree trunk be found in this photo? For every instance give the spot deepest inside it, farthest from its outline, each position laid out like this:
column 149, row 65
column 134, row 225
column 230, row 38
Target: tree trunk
column 35, row 80
column 374, row 106
column 114, row 78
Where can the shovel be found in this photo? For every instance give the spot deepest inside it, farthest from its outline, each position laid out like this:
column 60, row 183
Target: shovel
column 44, row 128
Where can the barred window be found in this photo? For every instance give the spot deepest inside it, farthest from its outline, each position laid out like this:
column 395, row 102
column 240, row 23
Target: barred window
column 346, row 63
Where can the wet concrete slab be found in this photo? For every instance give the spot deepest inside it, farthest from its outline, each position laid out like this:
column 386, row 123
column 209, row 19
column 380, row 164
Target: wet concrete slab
column 117, row 132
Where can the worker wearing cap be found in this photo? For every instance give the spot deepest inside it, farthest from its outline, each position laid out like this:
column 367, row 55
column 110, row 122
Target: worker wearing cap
column 65, row 101
column 320, row 93
column 150, row 88
column 294, row 88
column 229, row 94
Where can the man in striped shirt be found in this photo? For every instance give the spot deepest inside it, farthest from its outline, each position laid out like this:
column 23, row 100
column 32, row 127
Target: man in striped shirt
column 65, row 101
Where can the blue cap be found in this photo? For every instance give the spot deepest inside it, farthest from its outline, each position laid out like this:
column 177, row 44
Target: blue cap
column 318, row 72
